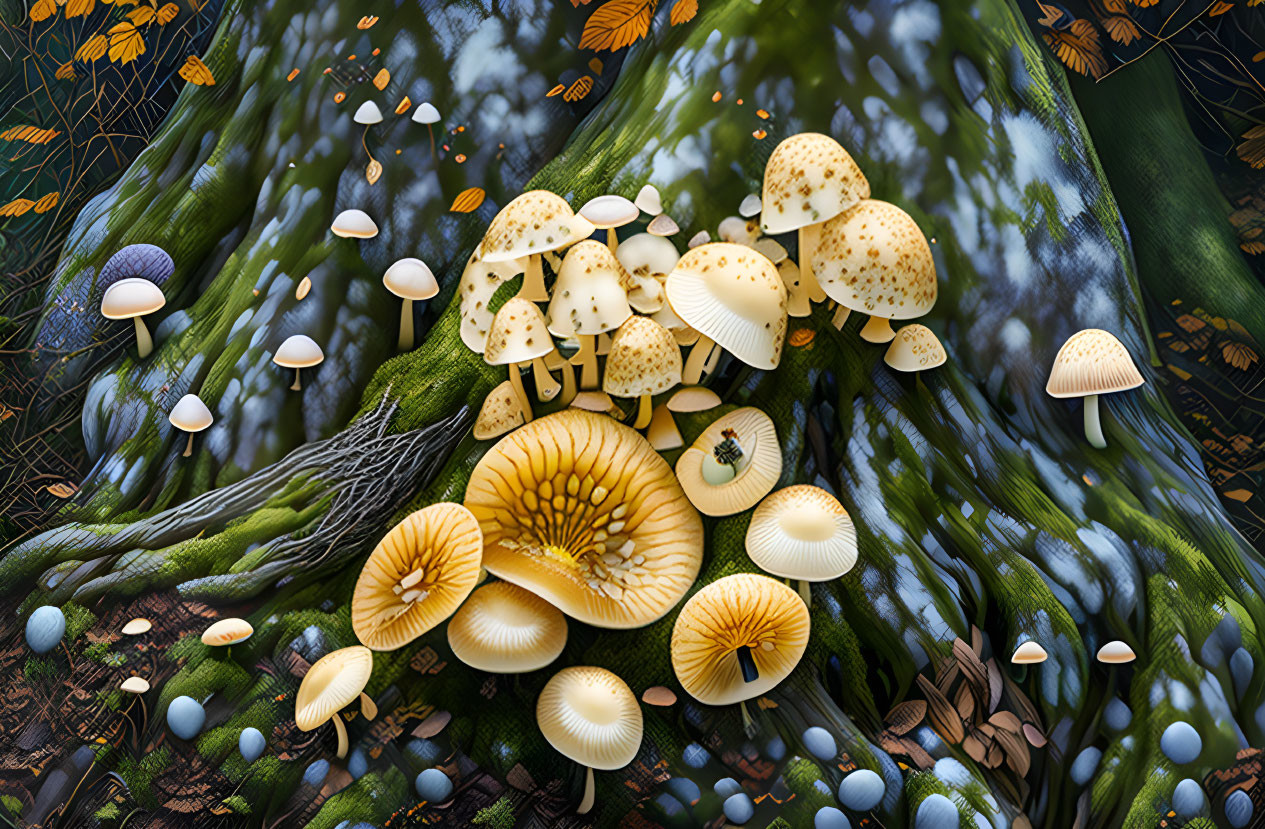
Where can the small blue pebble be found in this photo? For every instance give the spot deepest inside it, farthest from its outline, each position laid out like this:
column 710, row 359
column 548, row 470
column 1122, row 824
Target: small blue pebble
column 739, row 809
column 861, row 790
column 1085, row 764
column 1117, row 715
column 695, row 756
column 316, row 773
column 1238, row 809
column 820, row 743
column 1181, row 743
column 185, row 717
column 684, row 790
column 726, row 787
column 357, row 764
column 251, row 744
column 1241, row 668
column 433, row 785
column 936, row 812
column 1188, row 799
column 828, row 817
column 44, row 628
column 951, row 772
column 776, row 749
column 670, row 805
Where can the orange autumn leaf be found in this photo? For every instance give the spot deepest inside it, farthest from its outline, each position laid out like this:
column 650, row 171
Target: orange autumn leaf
column 294, row 73
column 468, row 201
column 79, row 8
column 142, row 15
column 366, row 21
column 16, row 207
column 1252, row 149
column 65, row 72
column 579, row 89
column 1122, row 29
column 683, row 11
column 617, row 23
column 196, row 72
column 65, row 489
column 339, row 97
column 43, row 9
column 29, row 134
column 167, row 13
column 596, row 66
column 1049, row 14
column 381, row 79
column 403, row 106
column 47, row 202
column 1078, row 48
column 1220, row 8
column 1239, row 355
column 94, row 48
column 557, row 90
column 126, row 43
column 373, row 172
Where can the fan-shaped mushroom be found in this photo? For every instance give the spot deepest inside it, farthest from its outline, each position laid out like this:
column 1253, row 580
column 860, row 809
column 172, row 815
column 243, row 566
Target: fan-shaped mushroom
column 333, row 682
column 502, row 411
column 610, row 213
column 133, row 298
column 535, row 222
column 1090, row 363
column 914, row 349
column 298, row 352
column 802, row 532
column 588, row 299
column 648, row 200
column 519, row 336
column 409, row 279
column 505, row 629
column 190, row 415
column 644, row 361
column 733, row 464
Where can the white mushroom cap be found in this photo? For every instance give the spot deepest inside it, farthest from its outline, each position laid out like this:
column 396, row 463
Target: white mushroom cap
column 914, row 348
column 644, row 359
column 645, row 255
column 591, row 716
column 132, row 297
column 735, row 296
column 425, row 113
column 648, row 200
column 663, row 225
column 738, row 231
column 504, row 629
column 700, row 238
column 535, row 222
column 755, row 473
column 809, row 178
column 502, row 412
column 1116, row 652
column 693, row 399
column 368, row 113
column 518, row 334
column 589, row 296
column 298, row 351
column 137, row 626
column 595, row 401
column 802, row 532
column 478, row 285
column 354, row 224
column 410, row 278
column 750, row 206
column 605, row 212
column 1029, row 653
column 227, row 632
column 190, row 414
column 135, row 685
column 1092, row 361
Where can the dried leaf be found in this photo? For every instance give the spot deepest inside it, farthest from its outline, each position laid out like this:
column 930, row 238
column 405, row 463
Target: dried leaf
column 964, row 702
column 366, row 21
column 432, row 725
column 65, row 489
column 973, row 747
column 1078, row 48
column 126, row 43
column 65, row 72
column 683, row 11
column 972, row 668
column 403, row 106
column 468, row 201
column 617, row 23
column 167, row 13
column 1017, row 754
column 1122, row 29
column 940, row 713
column 1005, row 721
column 1220, row 8
column 905, row 716
column 92, row 49
column 557, row 90
column 947, row 674
column 381, row 79
column 142, row 15
column 1252, row 149
column 596, row 66
column 79, row 8
column 579, row 89
column 910, row 748
column 196, row 72
column 29, row 134
column 1049, row 14
column 47, row 202
column 17, row 207
column 305, row 286
column 1239, row 355
column 373, row 171
column 43, row 9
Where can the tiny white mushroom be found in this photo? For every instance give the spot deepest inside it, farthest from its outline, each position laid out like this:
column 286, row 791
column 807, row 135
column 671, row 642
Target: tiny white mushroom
column 190, row 415
column 409, row 279
column 132, row 299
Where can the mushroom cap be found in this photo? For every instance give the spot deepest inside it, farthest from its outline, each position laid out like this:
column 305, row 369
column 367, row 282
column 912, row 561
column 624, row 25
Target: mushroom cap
column 751, row 206
column 738, row 231
column 505, row 629
column 693, row 399
column 644, row 359
column 592, row 400
column 298, row 351
column 410, row 278
column 1092, row 361
column 648, row 200
column 590, row 716
column 1029, row 653
column 131, row 297
column 914, row 348
column 874, row 258
column 478, row 285
column 1116, row 652
column 227, row 632
column 743, row 610
column 606, row 212
column 135, row 685
column 190, row 414
column 809, row 179
column 434, row 551
column 518, row 334
column 425, row 113
column 663, row 225
column 333, row 682
column 590, row 295
column 734, row 295
column 368, row 113
column 354, row 224
column 645, row 255
column 535, row 222
column 802, row 532
column 501, row 412
column 137, row 626
column 757, row 472
column 580, row 510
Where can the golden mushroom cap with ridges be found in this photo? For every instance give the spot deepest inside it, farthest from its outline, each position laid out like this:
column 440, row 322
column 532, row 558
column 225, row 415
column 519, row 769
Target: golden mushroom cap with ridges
column 590, row 716
column 505, row 629
column 518, row 334
column 501, row 412
column 420, row 572
column 227, row 632
column 734, row 295
column 915, row 348
column 590, row 295
column 333, row 682
column 745, row 610
column 809, row 178
column 535, row 222
column 754, row 474
column 644, row 359
column 580, row 510
column 1092, row 361
column 875, row 259
column 802, row 532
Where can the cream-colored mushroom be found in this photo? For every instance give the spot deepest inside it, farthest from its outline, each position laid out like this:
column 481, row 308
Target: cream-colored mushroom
column 588, row 299
column 354, row 224
column 501, row 412
column 644, row 361
column 610, row 213
column 505, row 629
column 298, row 352
column 479, row 282
column 535, row 222
column 802, row 532
column 411, row 280
column 519, row 336
column 915, row 348
column 1029, row 653
column 662, row 432
column 648, row 200
column 132, row 299
column 333, row 682
column 190, row 415
column 1090, row 363
column 733, row 464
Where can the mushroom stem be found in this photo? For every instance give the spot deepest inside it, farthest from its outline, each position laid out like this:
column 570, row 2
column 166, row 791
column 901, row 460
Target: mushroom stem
column 842, row 312
column 747, row 725
column 516, row 381
column 612, row 239
column 806, row 593
column 363, row 136
column 431, row 131
column 698, row 360
column 342, row 734
column 188, row 447
column 297, row 386
column 144, row 343
column 568, row 384
column 406, row 326
column 807, row 247
column 533, row 288
column 878, row 330
column 547, row 388
column 644, row 411
column 587, row 359
column 1093, row 425
column 590, row 793
column 750, row 673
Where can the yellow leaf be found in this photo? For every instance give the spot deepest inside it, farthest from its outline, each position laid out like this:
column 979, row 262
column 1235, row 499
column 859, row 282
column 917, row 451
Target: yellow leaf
column 579, row 89
column 168, row 13
column 468, row 201
column 65, row 72
column 403, row 105
column 47, row 202
column 29, row 134
column 141, row 15
column 366, row 21
column 373, row 171
column 94, row 48
column 196, row 72
column 1220, row 8
column 126, row 43
column 79, row 8
column 43, row 9
column 557, row 90
column 683, row 11
column 16, row 207
column 381, row 79
column 617, row 23
column 65, row 489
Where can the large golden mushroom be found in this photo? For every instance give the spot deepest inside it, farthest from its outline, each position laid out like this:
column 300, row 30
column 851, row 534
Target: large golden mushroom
column 504, row 629
column 580, row 510
column 733, row 464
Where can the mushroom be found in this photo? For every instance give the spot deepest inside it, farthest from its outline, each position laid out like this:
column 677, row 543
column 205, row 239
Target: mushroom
column 588, row 299
column 428, row 115
column 738, row 231
column 590, row 716
column 648, row 200
column 502, row 411
column 409, row 279
column 733, row 464
column 333, row 682
column 735, row 299
column 299, row 351
column 647, row 257
column 136, row 627
column 533, row 223
column 693, row 399
column 809, row 179
column 700, row 238
column 610, row 213
column 663, row 225
column 873, row 258
column 802, row 532
column 354, row 224
column 644, row 361
column 737, row 638
column 135, row 685
column 1029, row 653
column 478, row 285
column 504, row 629
column 1116, row 652
column 419, row 573
column 519, row 336
column 662, row 432
column 367, row 114
column 596, row 401
column 1090, row 363
column 227, row 632
column 190, row 415
column 751, row 206
column 915, row 348
column 578, row 509
column 133, row 298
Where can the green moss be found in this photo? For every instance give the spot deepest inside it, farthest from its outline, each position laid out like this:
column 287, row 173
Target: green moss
column 39, row 670
column 500, row 815
column 78, row 620
column 139, row 774
column 373, row 797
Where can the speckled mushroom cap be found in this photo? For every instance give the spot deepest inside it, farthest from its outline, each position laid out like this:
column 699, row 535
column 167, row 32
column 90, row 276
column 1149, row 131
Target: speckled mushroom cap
column 131, row 297
column 809, row 179
column 478, row 285
column 1029, row 653
column 580, row 510
column 518, row 334
column 334, row 681
column 410, row 278
column 802, row 532
column 873, row 258
column 591, row 716
column 298, row 351
column 1092, row 361
column 757, row 472
column 227, row 632
column 743, row 610
column 644, row 359
column 354, row 224
column 535, row 222
column 589, row 296
column 915, row 348
column 432, row 556
column 734, row 295
column 609, row 211
column 646, row 255
column 190, row 414
column 501, row 412
column 505, row 629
